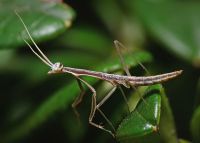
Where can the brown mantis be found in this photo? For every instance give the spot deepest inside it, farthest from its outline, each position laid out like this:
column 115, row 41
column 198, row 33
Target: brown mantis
column 114, row 79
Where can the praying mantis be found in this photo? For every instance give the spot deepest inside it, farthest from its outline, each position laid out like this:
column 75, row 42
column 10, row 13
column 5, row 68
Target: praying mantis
column 115, row 79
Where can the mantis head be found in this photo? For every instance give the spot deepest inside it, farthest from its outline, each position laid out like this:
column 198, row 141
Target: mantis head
column 56, row 68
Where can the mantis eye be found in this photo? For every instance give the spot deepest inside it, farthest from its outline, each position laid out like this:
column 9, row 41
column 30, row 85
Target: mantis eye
column 57, row 67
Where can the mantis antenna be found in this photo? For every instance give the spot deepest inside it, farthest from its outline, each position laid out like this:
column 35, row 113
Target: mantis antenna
column 43, row 58
column 36, row 53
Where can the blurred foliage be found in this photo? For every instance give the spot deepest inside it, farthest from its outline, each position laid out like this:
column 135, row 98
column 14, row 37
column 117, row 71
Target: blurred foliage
column 162, row 35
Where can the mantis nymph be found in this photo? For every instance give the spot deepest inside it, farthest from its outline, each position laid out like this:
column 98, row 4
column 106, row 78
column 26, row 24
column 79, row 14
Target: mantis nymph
column 114, row 79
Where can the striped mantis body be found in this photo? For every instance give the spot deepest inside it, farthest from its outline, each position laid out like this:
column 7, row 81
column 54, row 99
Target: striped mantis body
column 115, row 79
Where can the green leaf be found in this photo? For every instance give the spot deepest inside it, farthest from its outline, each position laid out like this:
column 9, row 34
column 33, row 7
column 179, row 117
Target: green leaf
column 183, row 141
column 93, row 40
column 131, row 59
column 63, row 98
column 55, row 102
column 150, row 116
column 119, row 22
column 106, row 14
column 167, row 128
column 176, row 24
column 195, row 125
column 44, row 19
column 144, row 119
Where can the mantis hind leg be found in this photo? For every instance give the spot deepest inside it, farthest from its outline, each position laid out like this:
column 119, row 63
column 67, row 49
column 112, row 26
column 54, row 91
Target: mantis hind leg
column 126, row 69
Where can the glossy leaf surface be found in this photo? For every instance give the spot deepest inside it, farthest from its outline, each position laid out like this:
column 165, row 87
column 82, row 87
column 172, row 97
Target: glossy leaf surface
column 175, row 24
column 42, row 24
column 144, row 119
